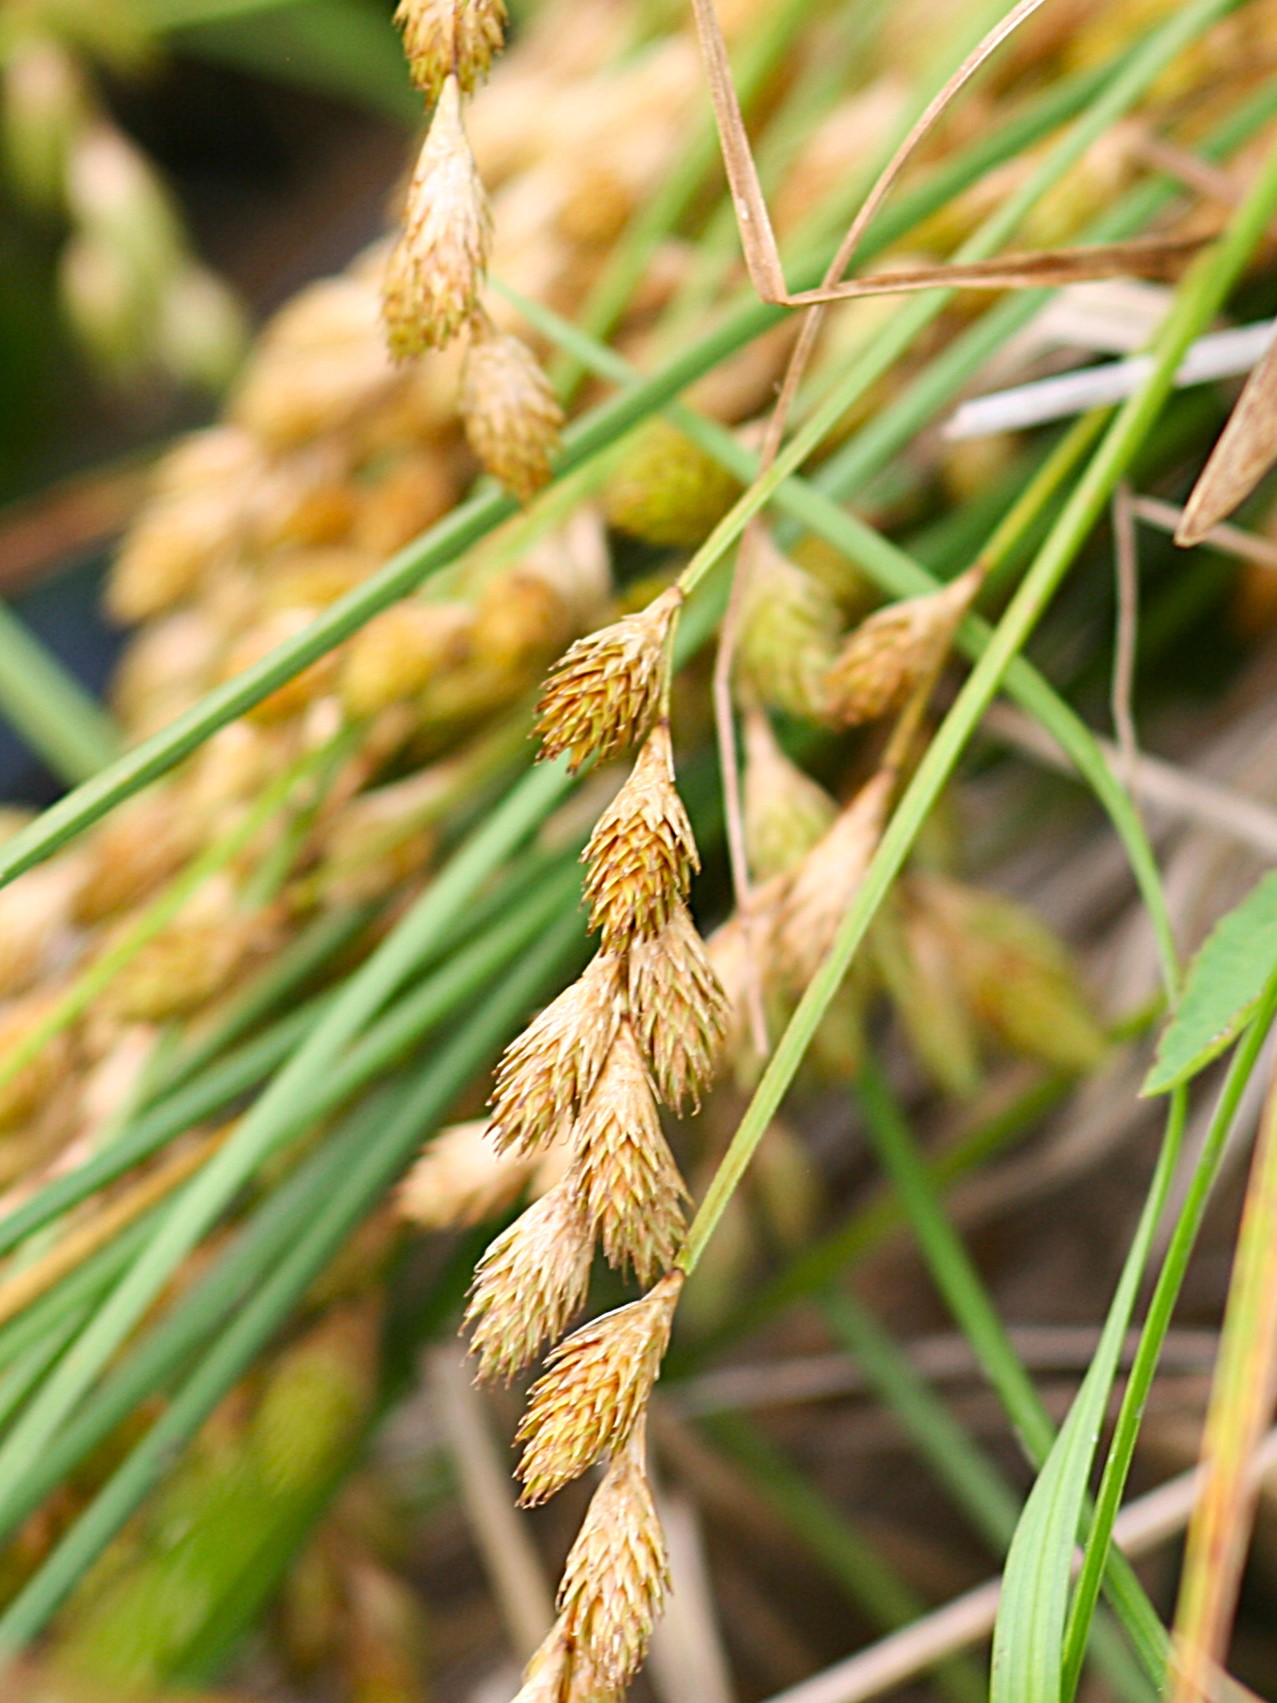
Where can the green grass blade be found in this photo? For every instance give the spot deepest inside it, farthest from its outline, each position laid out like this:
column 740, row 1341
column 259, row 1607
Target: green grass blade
column 379, row 1161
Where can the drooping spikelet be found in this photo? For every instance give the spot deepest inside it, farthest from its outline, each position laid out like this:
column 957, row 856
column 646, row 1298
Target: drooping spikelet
column 789, row 628
column 617, row 1571
column 608, row 688
column 560, row 1673
column 546, row 1074
column 678, row 1010
column 594, row 1391
column 459, row 1180
column 889, row 654
column 624, row 1172
column 786, row 811
column 511, row 414
column 530, row 1282
column 443, row 38
column 641, row 854
column 825, row 883
column 437, row 268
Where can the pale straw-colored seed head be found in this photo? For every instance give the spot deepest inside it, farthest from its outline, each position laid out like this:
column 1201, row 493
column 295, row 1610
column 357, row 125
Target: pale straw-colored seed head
column 786, row 811
column 547, row 1073
column 678, row 1010
column 560, row 1673
column 641, row 854
column 511, row 414
column 624, row 1173
column 789, row 629
column 607, row 690
column 400, row 651
column 594, row 1391
column 617, row 1572
column 530, row 1282
column 824, row 884
column 450, row 38
column 894, row 651
column 437, row 267
column 460, row 1180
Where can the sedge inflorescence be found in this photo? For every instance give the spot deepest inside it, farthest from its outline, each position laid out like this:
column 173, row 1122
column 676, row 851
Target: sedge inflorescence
column 642, row 1026
column 434, row 279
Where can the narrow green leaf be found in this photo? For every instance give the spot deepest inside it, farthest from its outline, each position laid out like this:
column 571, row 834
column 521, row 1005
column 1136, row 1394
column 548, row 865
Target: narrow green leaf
column 1222, row 991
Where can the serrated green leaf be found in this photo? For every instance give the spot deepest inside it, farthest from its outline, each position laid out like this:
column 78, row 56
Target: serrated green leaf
column 1224, row 983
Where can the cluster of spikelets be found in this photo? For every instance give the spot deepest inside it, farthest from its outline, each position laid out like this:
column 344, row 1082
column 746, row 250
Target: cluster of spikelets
column 642, row 1026
column 133, row 292
column 436, row 273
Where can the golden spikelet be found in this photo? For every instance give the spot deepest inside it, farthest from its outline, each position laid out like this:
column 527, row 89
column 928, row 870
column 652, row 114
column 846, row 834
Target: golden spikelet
column 607, row 689
column 786, row 811
column 560, row 1673
column 825, row 883
column 546, row 1074
column 437, row 267
column 624, row 1172
column 443, row 38
column 617, row 1572
column 530, row 1282
column 641, row 854
column 511, row 414
column 678, row 1010
column 594, row 1391
column 460, row 1180
column 895, row 650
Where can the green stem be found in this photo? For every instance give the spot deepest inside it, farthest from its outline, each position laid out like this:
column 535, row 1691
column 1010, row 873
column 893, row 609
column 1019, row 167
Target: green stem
column 49, row 708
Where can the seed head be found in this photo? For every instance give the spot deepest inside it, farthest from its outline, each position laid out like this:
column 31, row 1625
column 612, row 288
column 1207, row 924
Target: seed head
column 608, row 688
column 786, row 812
column 547, row 1073
column 437, row 268
column 560, row 1673
column 678, row 1010
column 641, row 854
column 617, row 1571
column 594, row 1391
column 512, row 416
column 1018, row 976
column 624, row 1172
column 400, row 651
column 459, row 1180
column 450, row 38
column 788, row 630
column 530, row 1282
column 665, row 490
column 891, row 652
column 825, row 883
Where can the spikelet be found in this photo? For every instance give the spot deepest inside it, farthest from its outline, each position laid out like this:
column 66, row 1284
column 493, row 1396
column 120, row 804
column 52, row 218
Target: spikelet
column 666, row 490
column 617, row 1572
column 438, row 265
column 457, row 38
column 825, row 883
column 641, row 854
column 459, row 1180
column 511, row 414
column 889, row 654
column 608, row 688
column 560, row 1673
column 786, row 811
column 546, row 1074
column 624, row 1172
column 678, row 1010
column 594, row 1391
column 530, row 1282
column 400, row 651
column 789, row 624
